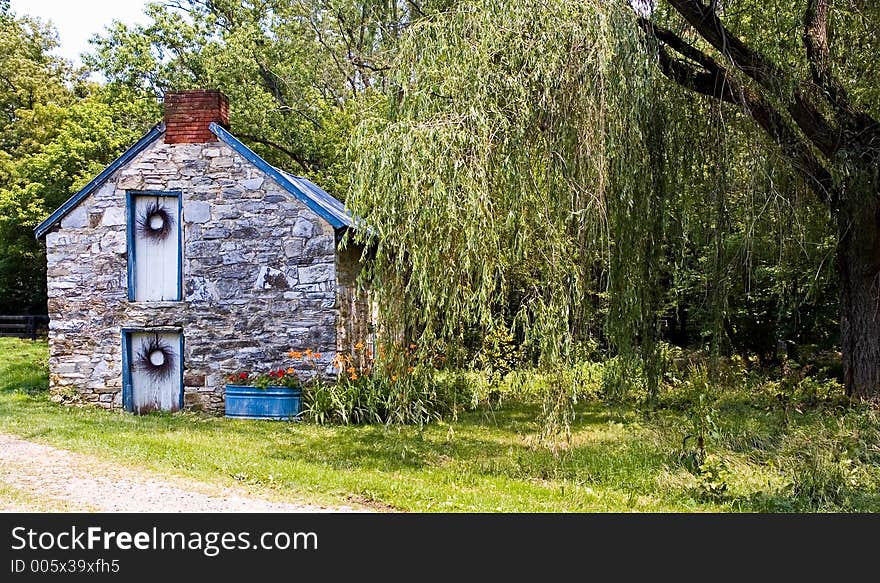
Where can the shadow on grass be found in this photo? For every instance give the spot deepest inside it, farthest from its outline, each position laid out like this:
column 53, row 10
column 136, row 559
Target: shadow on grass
column 23, row 376
column 502, row 450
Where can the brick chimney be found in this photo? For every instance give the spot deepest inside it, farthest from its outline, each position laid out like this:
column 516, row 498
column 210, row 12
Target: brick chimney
column 189, row 113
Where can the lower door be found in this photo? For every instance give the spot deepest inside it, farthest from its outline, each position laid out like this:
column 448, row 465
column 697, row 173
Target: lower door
column 152, row 371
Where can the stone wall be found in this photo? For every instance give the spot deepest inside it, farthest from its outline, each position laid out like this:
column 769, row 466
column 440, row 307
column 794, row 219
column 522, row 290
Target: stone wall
column 356, row 323
column 259, row 277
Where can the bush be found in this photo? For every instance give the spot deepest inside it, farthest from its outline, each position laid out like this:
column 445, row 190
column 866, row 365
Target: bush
column 395, row 391
column 498, row 354
column 826, row 470
column 713, row 477
column 821, row 477
column 623, row 377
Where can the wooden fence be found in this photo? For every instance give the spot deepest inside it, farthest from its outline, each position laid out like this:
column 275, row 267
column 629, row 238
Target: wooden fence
column 24, row 326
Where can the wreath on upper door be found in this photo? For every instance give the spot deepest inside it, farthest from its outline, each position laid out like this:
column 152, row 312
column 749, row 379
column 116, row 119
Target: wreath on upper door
column 155, row 358
column 155, row 222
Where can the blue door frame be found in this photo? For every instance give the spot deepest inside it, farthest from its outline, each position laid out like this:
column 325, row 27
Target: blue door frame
column 131, row 224
column 127, row 400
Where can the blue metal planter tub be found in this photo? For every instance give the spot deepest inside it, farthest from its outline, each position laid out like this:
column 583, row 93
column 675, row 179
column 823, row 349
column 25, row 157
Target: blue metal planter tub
column 278, row 403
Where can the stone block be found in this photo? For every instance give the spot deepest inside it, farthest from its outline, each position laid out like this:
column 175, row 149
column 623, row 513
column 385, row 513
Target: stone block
column 194, row 380
column 226, row 211
column 320, row 272
column 215, row 233
column 293, row 248
column 197, row 212
column 319, row 246
column 303, row 228
column 113, row 216
column 221, row 162
column 271, row 278
column 131, row 181
column 252, row 183
column 76, row 218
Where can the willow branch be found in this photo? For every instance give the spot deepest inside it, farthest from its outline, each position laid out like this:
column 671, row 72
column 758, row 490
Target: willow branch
column 703, row 74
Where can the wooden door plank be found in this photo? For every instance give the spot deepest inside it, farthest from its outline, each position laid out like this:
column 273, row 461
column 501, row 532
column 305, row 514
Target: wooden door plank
column 154, row 390
column 157, row 261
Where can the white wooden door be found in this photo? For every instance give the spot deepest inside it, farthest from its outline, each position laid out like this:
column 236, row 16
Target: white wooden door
column 155, row 371
column 156, row 248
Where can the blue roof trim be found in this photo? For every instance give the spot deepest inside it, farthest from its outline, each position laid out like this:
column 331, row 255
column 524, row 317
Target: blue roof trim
column 321, row 197
column 319, row 201
column 98, row 180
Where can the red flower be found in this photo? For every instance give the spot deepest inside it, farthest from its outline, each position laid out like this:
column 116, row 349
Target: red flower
column 242, row 375
column 272, row 373
column 280, row 372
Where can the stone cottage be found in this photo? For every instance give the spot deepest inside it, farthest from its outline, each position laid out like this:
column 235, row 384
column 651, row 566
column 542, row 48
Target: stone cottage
column 191, row 258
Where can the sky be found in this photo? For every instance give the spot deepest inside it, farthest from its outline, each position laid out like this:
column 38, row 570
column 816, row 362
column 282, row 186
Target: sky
column 77, row 20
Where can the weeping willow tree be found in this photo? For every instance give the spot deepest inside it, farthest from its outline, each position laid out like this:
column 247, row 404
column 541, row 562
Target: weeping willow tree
column 538, row 136
column 519, row 137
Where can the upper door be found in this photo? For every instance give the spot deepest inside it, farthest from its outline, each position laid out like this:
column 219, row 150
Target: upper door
column 154, row 242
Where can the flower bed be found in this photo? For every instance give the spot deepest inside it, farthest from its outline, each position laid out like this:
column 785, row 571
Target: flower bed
column 275, row 395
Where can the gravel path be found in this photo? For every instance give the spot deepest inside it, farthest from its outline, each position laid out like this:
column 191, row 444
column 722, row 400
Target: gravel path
column 78, row 482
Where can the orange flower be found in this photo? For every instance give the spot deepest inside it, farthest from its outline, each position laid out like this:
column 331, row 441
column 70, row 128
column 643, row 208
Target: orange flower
column 359, row 346
column 354, row 377
column 350, row 370
column 317, row 355
column 411, row 346
column 290, row 371
column 295, row 354
column 410, row 369
column 393, row 377
column 308, row 352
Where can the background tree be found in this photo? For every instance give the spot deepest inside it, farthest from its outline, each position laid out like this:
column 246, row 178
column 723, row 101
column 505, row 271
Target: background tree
column 56, row 132
column 827, row 129
column 290, row 69
column 32, row 97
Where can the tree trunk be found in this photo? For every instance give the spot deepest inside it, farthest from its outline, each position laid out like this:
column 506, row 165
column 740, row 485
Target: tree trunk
column 859, row 266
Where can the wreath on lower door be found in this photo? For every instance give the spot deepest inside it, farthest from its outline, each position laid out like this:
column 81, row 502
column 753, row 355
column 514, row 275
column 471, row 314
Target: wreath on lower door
column 155, row 222
column 155, row 358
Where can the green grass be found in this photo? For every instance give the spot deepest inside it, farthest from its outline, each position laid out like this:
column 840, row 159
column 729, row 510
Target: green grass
column 619, row 458
column 14, row 499
column 23, row 365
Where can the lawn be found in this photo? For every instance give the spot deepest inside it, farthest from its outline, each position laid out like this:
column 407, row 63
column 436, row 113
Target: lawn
column 18, row 500
column 620, row 457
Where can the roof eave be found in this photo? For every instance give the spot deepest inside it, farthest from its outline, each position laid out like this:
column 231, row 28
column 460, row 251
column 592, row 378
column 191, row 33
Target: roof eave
column 338, row 223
